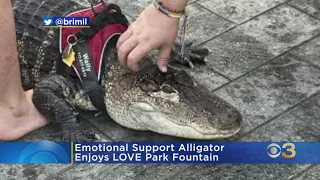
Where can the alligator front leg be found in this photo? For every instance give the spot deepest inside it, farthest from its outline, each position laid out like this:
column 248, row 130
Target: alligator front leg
column 51, row 96
column 191, row 55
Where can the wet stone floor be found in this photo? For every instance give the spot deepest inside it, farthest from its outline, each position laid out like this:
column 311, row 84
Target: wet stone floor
column 265, row 60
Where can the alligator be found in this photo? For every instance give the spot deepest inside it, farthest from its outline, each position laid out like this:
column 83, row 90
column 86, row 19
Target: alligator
column 171, row 103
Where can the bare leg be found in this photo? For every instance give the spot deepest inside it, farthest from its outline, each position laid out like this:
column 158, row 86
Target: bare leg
column 18, row 114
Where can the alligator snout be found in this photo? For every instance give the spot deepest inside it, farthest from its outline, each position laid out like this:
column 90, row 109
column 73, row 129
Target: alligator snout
column 228, row 122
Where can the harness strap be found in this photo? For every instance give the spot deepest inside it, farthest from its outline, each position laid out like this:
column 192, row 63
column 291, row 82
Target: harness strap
column 111, row 14
column 104, row 18
column 88, row 75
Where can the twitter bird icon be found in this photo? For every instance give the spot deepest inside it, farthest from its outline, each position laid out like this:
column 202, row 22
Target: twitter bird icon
column 47, row 21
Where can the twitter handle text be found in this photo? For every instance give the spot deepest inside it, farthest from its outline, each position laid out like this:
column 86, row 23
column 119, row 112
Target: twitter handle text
column 58, row 21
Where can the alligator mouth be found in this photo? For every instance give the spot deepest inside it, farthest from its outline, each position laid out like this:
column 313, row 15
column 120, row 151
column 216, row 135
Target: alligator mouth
column 158, row 122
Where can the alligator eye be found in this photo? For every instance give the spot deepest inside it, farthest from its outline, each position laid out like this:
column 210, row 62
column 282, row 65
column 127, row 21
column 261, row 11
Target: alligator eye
column 167, row 89
column 182, row 77
column 147, row 86
column 72, row 97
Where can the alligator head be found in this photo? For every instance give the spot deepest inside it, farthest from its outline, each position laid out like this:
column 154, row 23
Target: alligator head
column 169, row 103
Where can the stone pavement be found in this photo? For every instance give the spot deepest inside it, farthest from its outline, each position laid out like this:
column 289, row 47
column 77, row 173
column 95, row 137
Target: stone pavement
column 265, row 60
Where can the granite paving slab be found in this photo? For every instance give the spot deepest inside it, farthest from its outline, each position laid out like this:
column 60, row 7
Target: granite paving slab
column 208, row 77
column 312, row 174
column 309, row 52
column 234, row 172
column 130, row 7
column 286, row 127
column 309, row 111
column 102, row 172
column 264, row 60
column 298, row 124
column 161, row 171
column 271, row 89
column 311, row 7
column 252, row 44
column 40, row 172
column 203, row 25
column 119, row 133
column 239, row 10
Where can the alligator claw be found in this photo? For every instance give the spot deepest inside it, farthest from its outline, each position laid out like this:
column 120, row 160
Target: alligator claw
column 77, row 135
column 192, row 55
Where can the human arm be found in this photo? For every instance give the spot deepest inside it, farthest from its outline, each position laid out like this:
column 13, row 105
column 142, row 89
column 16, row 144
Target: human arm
column 151, row 30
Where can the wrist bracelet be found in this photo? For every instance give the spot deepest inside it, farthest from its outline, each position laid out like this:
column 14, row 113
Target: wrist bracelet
column 169, row 12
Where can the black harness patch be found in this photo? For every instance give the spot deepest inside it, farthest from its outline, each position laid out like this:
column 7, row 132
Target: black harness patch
column 87, row 73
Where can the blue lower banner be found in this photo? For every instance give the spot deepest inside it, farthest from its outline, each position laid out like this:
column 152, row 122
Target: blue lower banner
column 48, row 152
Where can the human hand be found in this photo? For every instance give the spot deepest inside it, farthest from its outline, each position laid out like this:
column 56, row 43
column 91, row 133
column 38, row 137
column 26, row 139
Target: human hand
column 152, row 30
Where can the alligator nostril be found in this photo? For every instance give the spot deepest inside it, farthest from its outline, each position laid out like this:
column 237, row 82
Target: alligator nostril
column 238, row 118
column 235, row 116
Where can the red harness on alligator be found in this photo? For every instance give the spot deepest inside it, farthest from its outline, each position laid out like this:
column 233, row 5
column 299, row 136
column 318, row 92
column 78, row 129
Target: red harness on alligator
column 88, row 45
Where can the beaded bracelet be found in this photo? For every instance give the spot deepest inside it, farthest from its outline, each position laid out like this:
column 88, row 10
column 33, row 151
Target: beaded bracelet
column 167, row 11
column 176, row 14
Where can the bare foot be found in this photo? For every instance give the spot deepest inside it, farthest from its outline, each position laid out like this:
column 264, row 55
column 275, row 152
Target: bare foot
column 15, row 122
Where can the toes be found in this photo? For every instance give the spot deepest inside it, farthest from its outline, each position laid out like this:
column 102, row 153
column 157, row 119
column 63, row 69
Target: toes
column 73, row 136
column 85, row 136
column 55, row 134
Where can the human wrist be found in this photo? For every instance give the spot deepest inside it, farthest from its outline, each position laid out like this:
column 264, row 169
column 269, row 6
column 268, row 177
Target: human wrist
column 176, row 5
column 151, row 8
column 172, row 10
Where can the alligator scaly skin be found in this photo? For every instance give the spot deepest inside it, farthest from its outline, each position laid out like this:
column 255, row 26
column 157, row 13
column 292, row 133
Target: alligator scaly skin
column 169, row 103
column 38, row 47
column 38, row 50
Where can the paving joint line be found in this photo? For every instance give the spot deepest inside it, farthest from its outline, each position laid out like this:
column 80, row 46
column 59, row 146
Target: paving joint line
column 179, row 172
column 305, row 61
column 55, row 178
column 261, row 125
column 299, row 174
column 307, row 123
column 192, row 2
column 195, row 1
column 75, row 165
column 149, row 167
column 220, row 74
column 218, row 35
column 230, row 21
column 237, row 25
column 304, row 12
column 265, row 12
column 57, row 174
column 227, row 83
column 278, row 115
column 267, row 62
column 99, row 130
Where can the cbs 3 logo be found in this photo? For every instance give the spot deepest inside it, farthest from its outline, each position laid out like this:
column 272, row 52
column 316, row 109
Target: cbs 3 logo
column 287, row 150
column 44, row 152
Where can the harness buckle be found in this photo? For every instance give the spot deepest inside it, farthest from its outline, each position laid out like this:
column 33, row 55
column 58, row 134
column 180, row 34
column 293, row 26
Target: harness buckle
column 78, row 54
column 95, row 2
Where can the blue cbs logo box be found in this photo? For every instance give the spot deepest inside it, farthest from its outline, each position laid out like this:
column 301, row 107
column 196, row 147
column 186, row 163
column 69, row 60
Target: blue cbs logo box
column 46, row 152
column 287, row 150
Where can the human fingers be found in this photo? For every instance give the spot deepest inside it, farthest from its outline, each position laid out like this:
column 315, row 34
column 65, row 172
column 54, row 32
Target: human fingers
column 137, row 54
column 126, row 48
column 125, row 36
column 163, row 57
